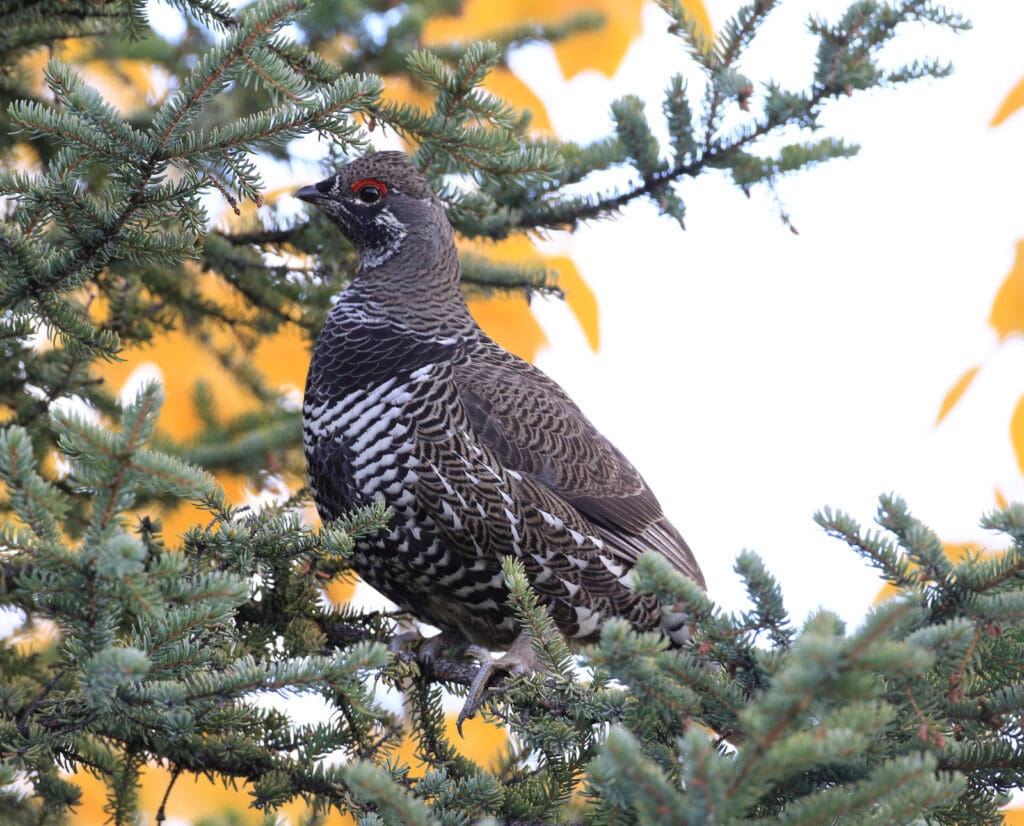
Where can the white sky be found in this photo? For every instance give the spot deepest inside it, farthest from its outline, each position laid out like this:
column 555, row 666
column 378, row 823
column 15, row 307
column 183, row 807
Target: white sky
column 754, row 375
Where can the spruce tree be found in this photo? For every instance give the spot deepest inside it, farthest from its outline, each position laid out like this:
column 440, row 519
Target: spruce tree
column 164, row 639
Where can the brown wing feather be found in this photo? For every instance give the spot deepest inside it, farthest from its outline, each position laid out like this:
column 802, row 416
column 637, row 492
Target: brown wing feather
column 535, row 428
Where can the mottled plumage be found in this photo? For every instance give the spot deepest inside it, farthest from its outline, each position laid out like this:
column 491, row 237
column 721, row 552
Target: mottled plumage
column 479, row 453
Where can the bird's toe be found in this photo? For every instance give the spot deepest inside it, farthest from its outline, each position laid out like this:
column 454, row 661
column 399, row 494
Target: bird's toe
column 519, row 659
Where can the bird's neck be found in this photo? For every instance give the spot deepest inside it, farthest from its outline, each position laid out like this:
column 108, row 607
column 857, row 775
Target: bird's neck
column 417, row 287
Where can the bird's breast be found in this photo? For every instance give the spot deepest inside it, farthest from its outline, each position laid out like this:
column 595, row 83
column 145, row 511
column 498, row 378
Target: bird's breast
column 387, row 443
column 363, row 441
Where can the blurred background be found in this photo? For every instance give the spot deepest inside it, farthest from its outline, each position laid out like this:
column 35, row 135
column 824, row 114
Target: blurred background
column 855, row 331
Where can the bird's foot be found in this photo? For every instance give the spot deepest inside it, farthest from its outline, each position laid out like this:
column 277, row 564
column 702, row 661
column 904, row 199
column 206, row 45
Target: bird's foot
column 437, row 645
column 430, row 648
column 400, row 641
column 519, row 659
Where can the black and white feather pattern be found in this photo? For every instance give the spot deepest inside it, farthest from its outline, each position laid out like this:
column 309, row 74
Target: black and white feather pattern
column 480, row 454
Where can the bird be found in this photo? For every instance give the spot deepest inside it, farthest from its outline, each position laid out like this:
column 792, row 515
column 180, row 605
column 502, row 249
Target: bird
column 478, row 453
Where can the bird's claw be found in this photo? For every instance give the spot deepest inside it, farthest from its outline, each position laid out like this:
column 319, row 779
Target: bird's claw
column 433, row 648
column 519, row 659
column 400, row 641
column 430, row 648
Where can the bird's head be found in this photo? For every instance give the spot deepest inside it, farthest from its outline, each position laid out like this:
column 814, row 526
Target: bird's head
column 379, row 202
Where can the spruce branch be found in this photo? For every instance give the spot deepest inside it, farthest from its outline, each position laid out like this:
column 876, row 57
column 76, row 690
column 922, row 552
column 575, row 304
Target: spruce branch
column 847, row 62
column 166, row 640
column 119, row 227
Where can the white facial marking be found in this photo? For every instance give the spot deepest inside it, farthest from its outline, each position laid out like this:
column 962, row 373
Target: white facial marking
column 394, row 233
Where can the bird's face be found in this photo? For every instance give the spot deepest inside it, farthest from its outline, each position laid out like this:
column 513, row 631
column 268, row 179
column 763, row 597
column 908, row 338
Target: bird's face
column 377, row 202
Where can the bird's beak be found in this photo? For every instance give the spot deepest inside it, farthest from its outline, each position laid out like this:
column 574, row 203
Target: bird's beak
column 309, row 194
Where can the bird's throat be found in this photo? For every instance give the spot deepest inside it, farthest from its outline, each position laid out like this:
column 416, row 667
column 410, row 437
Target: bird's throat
column 382, row 242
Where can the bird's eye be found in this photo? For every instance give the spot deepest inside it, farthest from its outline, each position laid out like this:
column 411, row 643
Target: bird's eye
column 368, row 193
column 369, row 190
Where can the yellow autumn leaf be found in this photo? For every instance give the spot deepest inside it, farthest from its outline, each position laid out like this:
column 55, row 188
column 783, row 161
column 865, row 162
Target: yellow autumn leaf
column 399, row 89
column 24, row 158
column 579, row 296
column 509, row 87
column 507, row 318
column 956, row 391
column 283, row 358
column 1014, row 816
column 1011, row 103
column 1017, row 433
column 340, row 589
column 954, row 552
column 1000, row 497
column 1007, row 316
column 601, row 50
column 34, row 638
column 192, row 798
column 128, row 84
column 482, row 742
column 500, row 82
column 182, row 360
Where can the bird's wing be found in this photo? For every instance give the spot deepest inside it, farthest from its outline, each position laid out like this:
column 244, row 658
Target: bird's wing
column 533, row 427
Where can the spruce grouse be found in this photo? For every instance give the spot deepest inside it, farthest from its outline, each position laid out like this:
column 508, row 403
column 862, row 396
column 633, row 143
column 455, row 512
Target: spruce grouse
column 478, row 452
